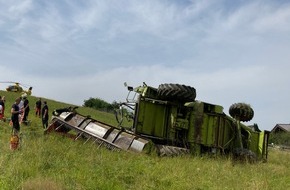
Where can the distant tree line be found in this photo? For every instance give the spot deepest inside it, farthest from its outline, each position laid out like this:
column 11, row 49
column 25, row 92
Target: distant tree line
column 114, row 107
column 101, row 105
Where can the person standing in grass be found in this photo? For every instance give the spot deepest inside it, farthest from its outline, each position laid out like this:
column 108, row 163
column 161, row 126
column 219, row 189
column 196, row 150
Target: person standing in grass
column 15, row 111
column 2, row 108
column 1, row 112
column 38, row 107
column 20, row 105
column 44, row 115
column 3, row 103
column 26, row 108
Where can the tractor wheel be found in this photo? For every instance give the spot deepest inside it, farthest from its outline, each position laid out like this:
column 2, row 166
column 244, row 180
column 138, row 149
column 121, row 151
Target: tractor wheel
column 241, row 111
column 176, row 92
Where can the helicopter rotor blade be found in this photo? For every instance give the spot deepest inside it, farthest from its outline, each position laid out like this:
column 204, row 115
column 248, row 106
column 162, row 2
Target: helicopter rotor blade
column 16, row 83
column 8, row 82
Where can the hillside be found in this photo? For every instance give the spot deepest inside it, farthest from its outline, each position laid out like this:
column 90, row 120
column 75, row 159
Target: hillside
column 54, row 162
column 52, row 104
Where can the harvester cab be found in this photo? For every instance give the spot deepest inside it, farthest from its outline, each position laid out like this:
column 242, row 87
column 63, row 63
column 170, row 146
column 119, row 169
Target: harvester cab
column 133, row 93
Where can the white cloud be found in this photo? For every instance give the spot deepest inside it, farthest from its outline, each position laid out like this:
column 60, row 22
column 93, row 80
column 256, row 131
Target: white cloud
column 85, row 49
column 19, row 8
column 273, row 20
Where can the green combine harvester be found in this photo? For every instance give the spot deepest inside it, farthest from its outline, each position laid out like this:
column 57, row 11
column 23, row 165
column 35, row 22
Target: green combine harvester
column 169, row 121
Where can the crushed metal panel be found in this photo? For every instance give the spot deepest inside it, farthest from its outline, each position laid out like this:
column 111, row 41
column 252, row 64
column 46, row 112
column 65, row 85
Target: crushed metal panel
column 64, row 115
column 124, row 140
column 138, row 145
column 95, row 128
column 112, row 135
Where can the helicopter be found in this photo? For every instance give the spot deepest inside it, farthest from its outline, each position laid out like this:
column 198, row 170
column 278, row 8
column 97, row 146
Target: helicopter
column 18, row 87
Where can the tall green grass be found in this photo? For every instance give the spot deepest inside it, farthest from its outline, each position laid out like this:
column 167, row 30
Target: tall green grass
column 55, row 162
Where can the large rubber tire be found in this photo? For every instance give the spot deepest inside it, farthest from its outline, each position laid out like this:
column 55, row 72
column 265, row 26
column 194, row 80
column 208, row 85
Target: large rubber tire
column 241, row 111
column 176, row 92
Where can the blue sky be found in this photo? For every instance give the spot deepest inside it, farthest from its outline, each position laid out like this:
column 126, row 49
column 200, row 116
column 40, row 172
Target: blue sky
column 230, row 51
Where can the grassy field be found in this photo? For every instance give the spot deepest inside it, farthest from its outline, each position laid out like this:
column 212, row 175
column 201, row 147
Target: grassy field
column 54, row 162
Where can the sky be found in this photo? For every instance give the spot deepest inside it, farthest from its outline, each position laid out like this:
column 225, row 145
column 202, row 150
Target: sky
column 229, row 51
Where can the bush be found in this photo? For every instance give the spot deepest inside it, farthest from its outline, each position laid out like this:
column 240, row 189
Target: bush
column 282, row 138
column 99, row 104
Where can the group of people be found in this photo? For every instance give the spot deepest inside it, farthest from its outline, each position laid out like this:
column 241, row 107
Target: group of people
column 42, row 112
column 20, row 110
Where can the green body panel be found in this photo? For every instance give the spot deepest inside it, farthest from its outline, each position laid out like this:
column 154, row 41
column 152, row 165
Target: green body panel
column 152, row 119
column 209, row 127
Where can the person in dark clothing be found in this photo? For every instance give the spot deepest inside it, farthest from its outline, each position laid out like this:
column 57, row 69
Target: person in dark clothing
column 2, row 107
column 38, row 107
column 44, row 115
column 15, row 111
column 26, row 108
column 1, row 101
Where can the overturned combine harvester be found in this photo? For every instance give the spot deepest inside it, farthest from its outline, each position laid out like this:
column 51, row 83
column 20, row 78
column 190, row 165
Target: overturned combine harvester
column 169, row 121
